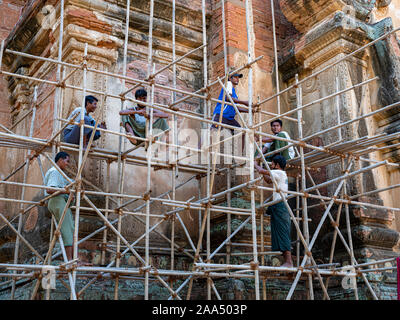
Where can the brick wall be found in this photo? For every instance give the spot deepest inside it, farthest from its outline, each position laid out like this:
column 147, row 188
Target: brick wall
column 236, row 34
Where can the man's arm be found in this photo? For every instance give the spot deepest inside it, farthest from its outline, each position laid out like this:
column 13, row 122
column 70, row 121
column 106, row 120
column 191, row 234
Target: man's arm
column 264, row 172
column 241, row 109
column 128, row 112
column 160, row 114
column 51, row 191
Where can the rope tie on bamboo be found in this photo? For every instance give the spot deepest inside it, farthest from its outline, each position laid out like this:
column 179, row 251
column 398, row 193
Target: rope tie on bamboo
column 155, row 272
column 252, row 187
column 173, row 108
column 302, row 144
column 84, row 63
column 347, row 198
column 61, row 85
column 168, row 217
column 146, row 196
column 259, row 211
column 151, row 139
column 334, row 224
column 254, row 265
column 143, row 270
column 206, row 205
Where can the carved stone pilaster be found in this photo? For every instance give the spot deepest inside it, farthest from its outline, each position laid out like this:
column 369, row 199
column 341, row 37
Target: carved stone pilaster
column 20, row 97
column 330, row 31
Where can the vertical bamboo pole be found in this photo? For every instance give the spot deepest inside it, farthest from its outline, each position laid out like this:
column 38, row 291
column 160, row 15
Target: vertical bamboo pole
column 57, row 95
column 149, row 135
column 21, row 207
column 250, row 137
column 350, row 238
column 1, row 54
column 107, row 205
column 174, row 171
column 229, row 171
column 262, row 244
column 207, row 108
column 229, row 217
column 298, row 219
column 278, row 98
column 299, row 99
column 120, row 166
column 80, row 163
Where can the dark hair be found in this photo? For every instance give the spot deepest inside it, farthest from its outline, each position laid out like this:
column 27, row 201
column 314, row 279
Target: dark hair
column 61, row 155
column 280, row 160
column 277, row 120
column 140, row 93
column 90, row 99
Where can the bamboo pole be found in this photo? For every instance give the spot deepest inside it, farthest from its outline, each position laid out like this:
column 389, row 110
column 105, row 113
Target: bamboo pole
column 299, row 99
column 26, row 170
column 209, row 195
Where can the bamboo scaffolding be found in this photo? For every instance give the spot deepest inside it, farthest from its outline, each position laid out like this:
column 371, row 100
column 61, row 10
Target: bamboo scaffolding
column 202, row 265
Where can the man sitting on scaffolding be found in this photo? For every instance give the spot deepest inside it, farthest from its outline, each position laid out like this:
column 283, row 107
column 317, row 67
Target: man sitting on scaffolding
column 134, row 119
column 272, row 144
column 72, row 131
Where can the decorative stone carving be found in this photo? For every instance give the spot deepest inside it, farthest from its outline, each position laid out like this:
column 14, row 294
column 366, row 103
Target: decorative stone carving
column 330, row 30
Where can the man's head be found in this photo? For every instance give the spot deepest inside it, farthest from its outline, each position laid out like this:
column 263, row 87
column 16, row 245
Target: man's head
column 62, row 160
column 91, row 103
column 276, row 126
column 141, row 94
column 234, row 77
column 278, row 162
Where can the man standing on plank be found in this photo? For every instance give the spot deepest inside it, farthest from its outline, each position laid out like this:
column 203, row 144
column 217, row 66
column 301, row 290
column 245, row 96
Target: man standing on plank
column 280, row 217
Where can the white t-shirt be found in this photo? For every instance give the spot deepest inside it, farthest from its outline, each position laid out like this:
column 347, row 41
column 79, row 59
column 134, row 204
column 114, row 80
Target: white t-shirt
column 229, row 89
column 281, row 179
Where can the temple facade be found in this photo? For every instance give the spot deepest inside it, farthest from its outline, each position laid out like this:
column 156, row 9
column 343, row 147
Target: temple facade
column 310, row 36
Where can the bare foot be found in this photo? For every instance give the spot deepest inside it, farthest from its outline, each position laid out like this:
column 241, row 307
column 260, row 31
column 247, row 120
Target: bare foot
column 132, row 139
